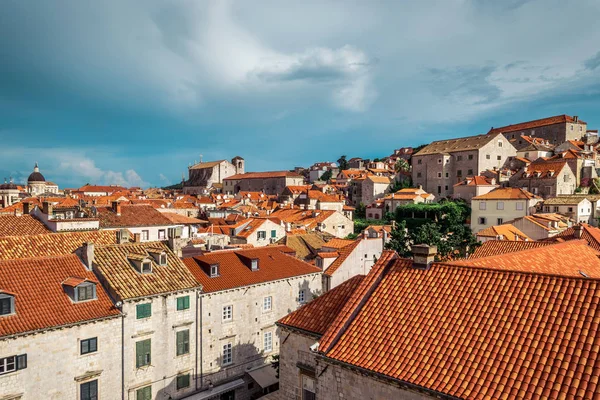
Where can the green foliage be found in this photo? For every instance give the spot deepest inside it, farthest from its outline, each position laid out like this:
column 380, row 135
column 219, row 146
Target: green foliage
column 402, row 165
column 342, row 163
column 399, row 185
column 360, row 211
column 360, row 224
column 595, row 186
column 400, row 240
column 578, row 189
column 275, row 364
column 326, row 176
column 352, row 236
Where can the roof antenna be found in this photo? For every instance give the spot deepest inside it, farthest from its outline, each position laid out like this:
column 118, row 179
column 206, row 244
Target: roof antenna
column 584, row 274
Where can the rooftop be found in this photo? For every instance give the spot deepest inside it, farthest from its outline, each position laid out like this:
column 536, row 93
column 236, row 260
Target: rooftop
column 507, row 194
column 558, row 119
column 265, row 175
column 20, row 225
column 459, row 144
column 131, row 215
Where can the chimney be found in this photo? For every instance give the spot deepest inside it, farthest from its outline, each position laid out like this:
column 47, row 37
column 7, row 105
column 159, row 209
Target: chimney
column 26, row 206
column 116, row 207
column 137, row 237
column 423, row 255
column 87, row 254
column 47, row 208
column 575, row 118
column 122, row 236
column 578, row 231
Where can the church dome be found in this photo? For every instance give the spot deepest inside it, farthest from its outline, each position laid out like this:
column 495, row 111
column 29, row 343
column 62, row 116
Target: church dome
column 8, row 185
column 36, row 176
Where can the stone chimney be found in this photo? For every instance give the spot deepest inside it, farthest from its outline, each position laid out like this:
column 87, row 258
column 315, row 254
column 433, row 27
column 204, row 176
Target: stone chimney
column 122, row 236
column 87, row 254
column 137, row 237
column 577, row 231
column 116, row 207
column 575, row 118
column 47, row 208
column 423, row 255
column 26, row 206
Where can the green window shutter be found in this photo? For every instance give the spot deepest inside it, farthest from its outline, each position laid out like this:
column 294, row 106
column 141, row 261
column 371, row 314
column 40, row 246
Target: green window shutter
column 142, row 353
column 183, row 303
column 273, row 233
column 143, row 310
column 183, row 342
column 183, row 381
column 144, row 393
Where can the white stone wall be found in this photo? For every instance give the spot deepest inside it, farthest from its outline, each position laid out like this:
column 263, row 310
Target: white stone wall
column 359, row 262
column 492, row 213
column 296, row 349
column 249, row 324
column 338, row 225
column 267, row 227
column 152, row 231
column 54, row 362
column 161, row 328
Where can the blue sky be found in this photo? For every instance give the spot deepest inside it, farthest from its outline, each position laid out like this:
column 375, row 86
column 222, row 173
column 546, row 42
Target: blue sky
column 131, row 92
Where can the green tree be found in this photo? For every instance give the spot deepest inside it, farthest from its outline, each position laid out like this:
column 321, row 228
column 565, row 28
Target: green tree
column 342, row 163
column 360, row 211
column 402, row 165
column 400, row 240
column 326, row 176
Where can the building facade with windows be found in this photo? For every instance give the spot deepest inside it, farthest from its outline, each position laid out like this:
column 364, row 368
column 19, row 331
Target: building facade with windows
column 244, row 293
column 501, row 205
column 579, row 209
column 59, row 332
column 442, row 164
column 546, row 178
column 158, row 297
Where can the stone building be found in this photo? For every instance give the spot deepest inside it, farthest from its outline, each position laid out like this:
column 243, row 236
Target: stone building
column 556, row 130
column 442, row 164
column 326, row 221
column 374, row 187
column 270, row 183
column 37, row 185
column 546, row 178
column 157, row 295
column 501, row 205
column 244, row 293
column 473, row 186
column 419, row 329
column 9, row 193
column 59, row 331
column 202, row 177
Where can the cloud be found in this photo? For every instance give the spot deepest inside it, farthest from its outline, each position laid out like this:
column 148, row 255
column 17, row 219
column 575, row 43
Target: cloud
column 164, row 179
column 86, row 169
column 469, row 85
column 593, row 62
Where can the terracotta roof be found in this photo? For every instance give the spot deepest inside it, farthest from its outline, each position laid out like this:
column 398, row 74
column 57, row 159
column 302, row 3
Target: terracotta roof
column 297, row 189
column 40, row 299
column 544, row 169
column 472, row 333
column 337, row 243
column 588, row 233
column 98, row 188
column 14, row 247
column 67, row 202
column 304, row 244
column 328, row 254
column 182, row 219
column 13, row 225
column 559, row 119
column 274, row 263
column 452, row 145
column 264, row 175
column 316, row 316
column 498, row 247
column 114, row 265
column 309, row 219
column 507, row 194
column 508, row 231
column 251, row 227
column 564, row 200
column 476, row 180
column 203, row 165
column 138, row 215
column 344, row 254
column 379, row 179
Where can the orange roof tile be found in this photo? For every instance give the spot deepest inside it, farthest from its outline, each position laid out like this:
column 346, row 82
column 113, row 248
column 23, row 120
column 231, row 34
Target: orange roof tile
column 40, row 299
column 264, row 175
column 316, row 316
column 559, row 119
column 508, row 231
column 182, row 219
column 19, row 225
column 138, row 215
column 507, row 194
column 498, row 247
column 274, row 263
column 336, row 243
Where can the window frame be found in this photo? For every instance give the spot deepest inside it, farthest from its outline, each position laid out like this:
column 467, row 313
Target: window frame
column 482, row 205
column 482, row 221
column 145, row 235
column 145, row 358
column 89, row 291
column 162, row 234
column 301, row 296
column 17, row 362
column 519, row 206
column 88, row 342
column 182, row 342
column 183, row 303
column 267, row 339
column 267, row 304
column 227, row 354
column 227, row 314
column 89, row 384
column 10, row 299
column 499, row 205
column 261, row 235
column 179, row 385
column 140, row 312
column 143, row 391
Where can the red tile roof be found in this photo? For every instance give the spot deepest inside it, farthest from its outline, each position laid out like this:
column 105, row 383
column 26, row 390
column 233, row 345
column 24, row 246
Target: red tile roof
column 274, row 263
column 471, row 332
column 508, row 231
column 336, row 243
column 99, row 188
column 182, row 219
column 588, row 233
column 544, row 169
column 507, row 194
column 344, row 254
column 137, row 215
column 498, row 247
column 316, row 316
column 13, row 225
column 40, row 299
column 559, row 119
column 264, row 175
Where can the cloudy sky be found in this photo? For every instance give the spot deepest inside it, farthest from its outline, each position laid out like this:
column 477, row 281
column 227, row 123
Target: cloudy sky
column 131, row 92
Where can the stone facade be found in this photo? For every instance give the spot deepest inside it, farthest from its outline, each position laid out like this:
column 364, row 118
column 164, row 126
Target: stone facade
column 338, row 225
column 555, row 134
column 55, row 366
column 561, row 183
column 248, row 327
column 374, row 188
column 358, row 262
column 259, row 182
column 202, row 176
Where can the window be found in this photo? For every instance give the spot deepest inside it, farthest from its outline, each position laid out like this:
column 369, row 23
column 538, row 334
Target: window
column 439, row 160
column 254, row 263
column 143, row 310
column 419, row 161
column 162, row 259
column 519, row 206
column 267, row 303
column 214, row 270
column 227, row 354
column 273, row 233
column 268, row 342
column 571, row 127
column 439, row 174
column 446, row 187
column 146, row 267
column 482, row 205
column 500, row 221
column 89, row 390
column 470, row 156
column 446, row 174
column 499, row 143
column 570, row 209
column 419, row 174
column 183, row 303
column 481, row 220
column 161, row 234
column 487, row 157
column 142, row 353
column 459, row 172
column 89, row 345
column 183, row 381
column 580, row 128
column 500, row 205
column 308, row 388
column 458, row 158
column 86, row 292
column 262, row 235
column 439, row 190
column 301, row 296
column 144, row 393
column 7, row 304
column 13, row 363
column 227, row 313
column 145, row 235
column 470, row 172
column 499, row 158
column 183, row 342
column 555, row 209
column 566, row 178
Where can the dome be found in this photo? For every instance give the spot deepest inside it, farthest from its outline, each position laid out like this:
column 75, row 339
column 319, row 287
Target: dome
column 36, row 176
column 8, row 185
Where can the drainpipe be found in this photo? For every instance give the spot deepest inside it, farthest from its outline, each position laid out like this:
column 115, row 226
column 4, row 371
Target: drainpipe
column 122, row 354
column 200, row 342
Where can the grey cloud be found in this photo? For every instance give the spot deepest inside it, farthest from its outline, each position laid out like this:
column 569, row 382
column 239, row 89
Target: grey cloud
column 468, row 84
column 592, row 63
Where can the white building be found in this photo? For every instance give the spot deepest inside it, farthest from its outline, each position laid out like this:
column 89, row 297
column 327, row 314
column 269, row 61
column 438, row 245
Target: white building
column 579, row 209
column 501, row 205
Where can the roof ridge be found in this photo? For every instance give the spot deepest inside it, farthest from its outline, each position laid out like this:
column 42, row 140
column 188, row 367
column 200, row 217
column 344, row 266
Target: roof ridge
column 40, row 258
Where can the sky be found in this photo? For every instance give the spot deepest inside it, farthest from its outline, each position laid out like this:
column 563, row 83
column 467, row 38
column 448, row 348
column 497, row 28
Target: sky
column 132, row 92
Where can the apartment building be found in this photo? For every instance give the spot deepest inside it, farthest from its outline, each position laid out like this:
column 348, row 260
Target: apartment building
column 501, row 205
column 270, row 183
column 546, row 178
column 442, row 164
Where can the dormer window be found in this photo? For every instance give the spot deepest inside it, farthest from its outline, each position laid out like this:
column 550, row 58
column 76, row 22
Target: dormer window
column 159, row 255
column 7, row 304
column 142, row 263
column 146, row 267
column 254, row 264
column 85, row 292
column 214, row 270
